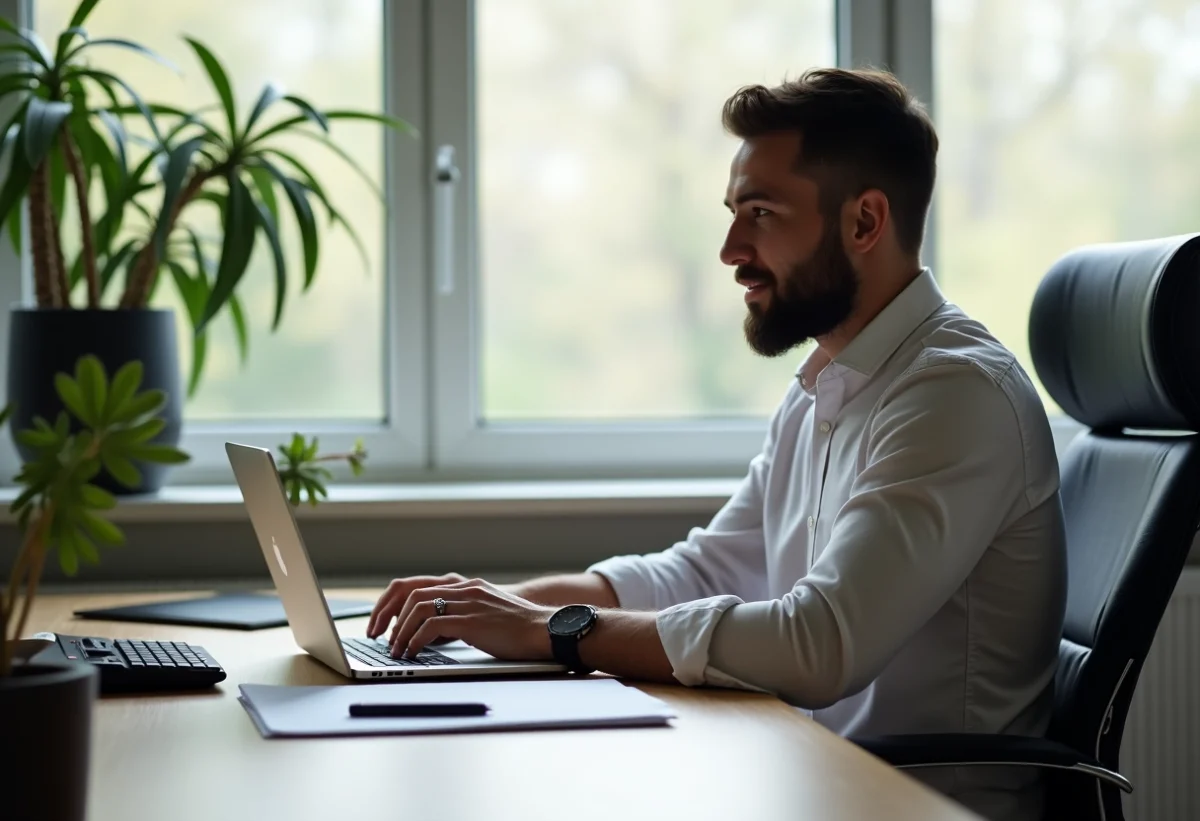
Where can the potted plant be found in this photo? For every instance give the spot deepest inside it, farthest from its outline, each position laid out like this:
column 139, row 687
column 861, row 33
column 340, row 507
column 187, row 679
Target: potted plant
column 69, row 131
column 61, row 508
column 46, row 706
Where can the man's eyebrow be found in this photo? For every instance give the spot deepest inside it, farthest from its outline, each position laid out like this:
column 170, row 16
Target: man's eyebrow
column 751, row 195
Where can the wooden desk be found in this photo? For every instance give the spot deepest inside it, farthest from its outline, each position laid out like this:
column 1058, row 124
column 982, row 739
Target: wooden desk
column 729, row 755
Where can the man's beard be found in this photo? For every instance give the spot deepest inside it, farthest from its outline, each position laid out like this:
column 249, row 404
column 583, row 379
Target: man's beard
column 814, row 298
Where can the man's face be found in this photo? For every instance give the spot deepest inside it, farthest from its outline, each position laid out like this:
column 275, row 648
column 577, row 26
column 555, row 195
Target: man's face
column 800, row 283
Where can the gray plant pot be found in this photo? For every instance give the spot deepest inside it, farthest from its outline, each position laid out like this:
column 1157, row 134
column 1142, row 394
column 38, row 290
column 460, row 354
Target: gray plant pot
column 44, row 342
column 45, row 732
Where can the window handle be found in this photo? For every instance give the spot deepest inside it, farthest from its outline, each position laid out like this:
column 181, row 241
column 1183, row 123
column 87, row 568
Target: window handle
column 445, row 181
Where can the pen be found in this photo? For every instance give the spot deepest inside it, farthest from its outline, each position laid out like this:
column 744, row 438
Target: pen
column 416, row 710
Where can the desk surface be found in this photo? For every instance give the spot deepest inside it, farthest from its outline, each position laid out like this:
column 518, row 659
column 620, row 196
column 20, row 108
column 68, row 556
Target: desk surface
column 728, row 755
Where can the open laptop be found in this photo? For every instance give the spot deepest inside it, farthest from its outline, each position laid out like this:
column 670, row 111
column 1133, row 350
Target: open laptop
column 304, row 603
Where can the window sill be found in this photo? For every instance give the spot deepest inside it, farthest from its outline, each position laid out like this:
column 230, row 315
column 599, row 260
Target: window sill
column 217, row 503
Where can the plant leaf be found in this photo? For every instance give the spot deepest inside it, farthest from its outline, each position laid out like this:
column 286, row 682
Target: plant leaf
column 87, row 550
column 240, row 228
column 143, row 432
column 106, row 80
column 117, row 130
column 150, row 401
column 122, row 470
column 16, row 182
column 194, row 291
column 220, row 80
column 27, row 42
column 97, row 497
column 103, row 530
column 65, row 39
column 160, row 454
column 93, row 387
column 304, row 219
column 178, row 163
column 72, row 397
column 114, row 262
column 271, row 94
column 82, row 12
column 239, row 327
column 271, row 229
column 68, row 560
column 43, row 119
column 265, row 185
column 126, row 44
column 124, row 385
column 309, row 112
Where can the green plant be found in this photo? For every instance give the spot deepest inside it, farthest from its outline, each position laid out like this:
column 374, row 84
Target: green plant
column 303, row 472
column 152, row 187
column 60, row 507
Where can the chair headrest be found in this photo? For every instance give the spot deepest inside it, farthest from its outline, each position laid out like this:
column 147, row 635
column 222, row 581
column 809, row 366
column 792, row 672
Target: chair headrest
column 1115, row 334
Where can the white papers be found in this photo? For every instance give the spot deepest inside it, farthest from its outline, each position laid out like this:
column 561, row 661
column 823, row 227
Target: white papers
column 281, row 712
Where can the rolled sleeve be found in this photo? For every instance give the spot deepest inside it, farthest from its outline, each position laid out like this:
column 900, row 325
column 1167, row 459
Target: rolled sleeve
column 686, row 631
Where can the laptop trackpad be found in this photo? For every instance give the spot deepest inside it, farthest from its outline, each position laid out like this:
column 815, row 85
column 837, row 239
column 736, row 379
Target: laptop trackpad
column 465, row 654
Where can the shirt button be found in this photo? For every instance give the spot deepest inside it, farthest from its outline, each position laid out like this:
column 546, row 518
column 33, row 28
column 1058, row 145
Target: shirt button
column 811, row 522
column 826, row 427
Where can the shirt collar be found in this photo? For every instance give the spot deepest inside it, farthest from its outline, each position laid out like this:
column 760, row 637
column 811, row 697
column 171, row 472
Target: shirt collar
column 876, row 342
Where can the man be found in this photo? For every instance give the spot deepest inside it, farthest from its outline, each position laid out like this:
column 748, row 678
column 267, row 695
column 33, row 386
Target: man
column 894, row 561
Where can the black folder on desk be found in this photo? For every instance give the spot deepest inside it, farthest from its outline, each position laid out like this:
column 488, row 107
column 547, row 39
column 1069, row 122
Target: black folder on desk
column 236, row 611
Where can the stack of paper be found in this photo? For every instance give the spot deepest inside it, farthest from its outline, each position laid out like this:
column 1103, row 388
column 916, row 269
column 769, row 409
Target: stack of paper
column 281, row 712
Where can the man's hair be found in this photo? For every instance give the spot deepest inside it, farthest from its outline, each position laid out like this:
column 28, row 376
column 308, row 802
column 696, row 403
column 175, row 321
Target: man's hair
column 858, row 130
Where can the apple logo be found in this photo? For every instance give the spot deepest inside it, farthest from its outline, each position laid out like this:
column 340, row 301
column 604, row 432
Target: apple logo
column 279, row 556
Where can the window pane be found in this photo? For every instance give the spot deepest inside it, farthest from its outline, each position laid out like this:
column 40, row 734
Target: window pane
column 326, row 360
column 602, row 167
column 1061, row 124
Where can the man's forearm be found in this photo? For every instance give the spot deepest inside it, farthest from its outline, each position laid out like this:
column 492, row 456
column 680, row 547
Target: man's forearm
column 626, row 643
column 559, row 591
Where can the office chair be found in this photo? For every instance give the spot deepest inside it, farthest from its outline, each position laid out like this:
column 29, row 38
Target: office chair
column 1115, row 338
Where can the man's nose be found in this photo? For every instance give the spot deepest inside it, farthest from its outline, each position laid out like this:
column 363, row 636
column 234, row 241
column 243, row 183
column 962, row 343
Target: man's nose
column 735, row 252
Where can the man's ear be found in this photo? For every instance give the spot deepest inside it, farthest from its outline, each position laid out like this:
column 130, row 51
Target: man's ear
column 868, row 216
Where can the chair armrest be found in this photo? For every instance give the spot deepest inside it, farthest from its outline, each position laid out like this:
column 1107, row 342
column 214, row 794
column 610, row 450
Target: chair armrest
column 985, row 749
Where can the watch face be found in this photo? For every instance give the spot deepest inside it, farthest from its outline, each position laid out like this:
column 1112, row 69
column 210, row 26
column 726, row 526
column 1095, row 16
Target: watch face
column 571, row 619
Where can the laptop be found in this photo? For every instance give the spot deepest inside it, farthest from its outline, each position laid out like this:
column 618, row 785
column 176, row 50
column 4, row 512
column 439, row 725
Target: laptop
column 304, row 603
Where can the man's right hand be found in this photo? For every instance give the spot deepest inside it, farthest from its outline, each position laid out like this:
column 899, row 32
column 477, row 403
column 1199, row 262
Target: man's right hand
column 392, row 601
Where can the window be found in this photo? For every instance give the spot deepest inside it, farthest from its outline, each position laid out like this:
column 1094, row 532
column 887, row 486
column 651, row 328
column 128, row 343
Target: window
column 1062, row 124
column 326, row 361
column 601, row 169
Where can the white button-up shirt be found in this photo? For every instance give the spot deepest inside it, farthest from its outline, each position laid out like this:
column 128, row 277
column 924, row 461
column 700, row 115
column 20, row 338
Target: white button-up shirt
column 895, row 559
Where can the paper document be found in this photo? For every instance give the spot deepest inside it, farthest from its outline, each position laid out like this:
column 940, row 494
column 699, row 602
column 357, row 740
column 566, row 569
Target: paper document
column 282, row 712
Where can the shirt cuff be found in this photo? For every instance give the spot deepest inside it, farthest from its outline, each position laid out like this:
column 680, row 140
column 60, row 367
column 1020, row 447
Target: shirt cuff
column 628, row 581
column 686, row 631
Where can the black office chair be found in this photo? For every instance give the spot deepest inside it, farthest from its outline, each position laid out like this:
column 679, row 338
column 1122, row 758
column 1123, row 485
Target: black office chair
column 1115, row 338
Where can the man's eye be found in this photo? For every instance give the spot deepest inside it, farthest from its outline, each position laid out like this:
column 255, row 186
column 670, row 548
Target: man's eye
column 759, row 212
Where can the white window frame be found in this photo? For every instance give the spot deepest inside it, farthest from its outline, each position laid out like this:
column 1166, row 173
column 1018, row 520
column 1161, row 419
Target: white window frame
column 397, row 445
column 464, row 442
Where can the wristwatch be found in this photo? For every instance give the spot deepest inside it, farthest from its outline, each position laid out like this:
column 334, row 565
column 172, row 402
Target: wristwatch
column 567, row 626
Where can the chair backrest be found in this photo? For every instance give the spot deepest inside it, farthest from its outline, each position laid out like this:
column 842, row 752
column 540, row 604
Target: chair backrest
column 1115, row 338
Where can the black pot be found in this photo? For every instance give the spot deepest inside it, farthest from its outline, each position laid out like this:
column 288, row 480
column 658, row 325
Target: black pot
column 46, row 716
column 45, row 341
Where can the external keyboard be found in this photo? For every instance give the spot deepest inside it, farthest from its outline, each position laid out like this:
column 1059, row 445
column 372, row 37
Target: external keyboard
column 375, row 653
column 138, row 666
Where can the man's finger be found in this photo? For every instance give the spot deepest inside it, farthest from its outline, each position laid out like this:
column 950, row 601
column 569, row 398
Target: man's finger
column 450, row 627
column 457, row 590
column 396, row 594
column 383, row 599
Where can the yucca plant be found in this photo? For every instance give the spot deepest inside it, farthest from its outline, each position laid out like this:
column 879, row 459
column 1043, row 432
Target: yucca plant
column 71, row 124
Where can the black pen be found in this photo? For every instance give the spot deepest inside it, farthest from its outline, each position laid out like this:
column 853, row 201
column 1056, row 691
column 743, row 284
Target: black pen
column 417, row 710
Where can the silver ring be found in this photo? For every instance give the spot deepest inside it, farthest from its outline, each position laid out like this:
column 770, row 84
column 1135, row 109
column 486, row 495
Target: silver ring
column 439, row 605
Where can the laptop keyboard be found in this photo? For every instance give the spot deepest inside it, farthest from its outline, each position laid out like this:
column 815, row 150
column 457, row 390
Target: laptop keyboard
column 375, row 653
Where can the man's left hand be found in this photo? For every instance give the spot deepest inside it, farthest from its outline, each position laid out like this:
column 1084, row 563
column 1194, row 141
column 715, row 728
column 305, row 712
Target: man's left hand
column 479, row 613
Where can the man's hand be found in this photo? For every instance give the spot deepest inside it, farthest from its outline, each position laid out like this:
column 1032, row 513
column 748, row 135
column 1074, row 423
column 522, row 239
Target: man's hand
column 393, row 599
column 479, row 613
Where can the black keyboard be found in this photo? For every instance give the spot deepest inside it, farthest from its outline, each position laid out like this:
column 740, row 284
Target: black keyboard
column 137, row 666
column 375, row 653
